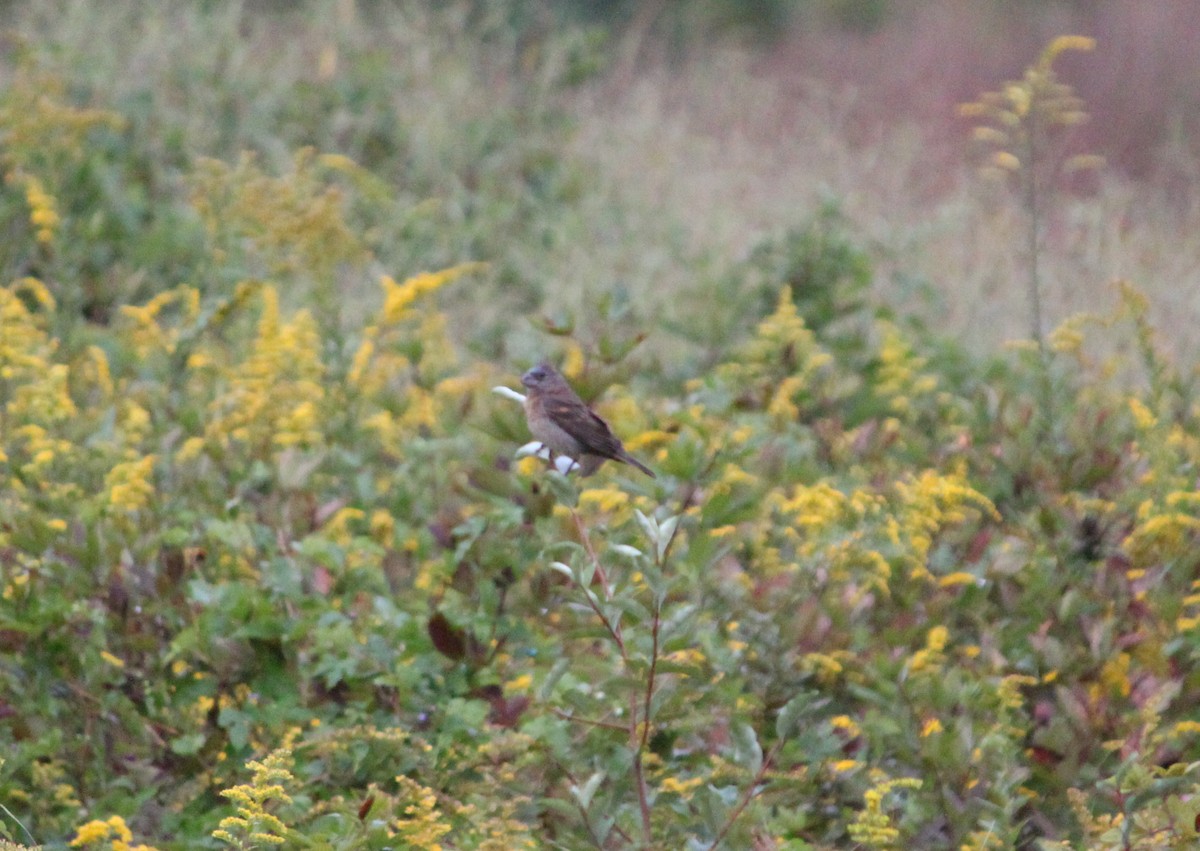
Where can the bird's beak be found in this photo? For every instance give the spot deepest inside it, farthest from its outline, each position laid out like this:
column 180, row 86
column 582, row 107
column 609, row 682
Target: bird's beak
column 526, row 380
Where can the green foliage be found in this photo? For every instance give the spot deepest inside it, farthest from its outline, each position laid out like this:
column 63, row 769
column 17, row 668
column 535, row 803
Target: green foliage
column 272, row 574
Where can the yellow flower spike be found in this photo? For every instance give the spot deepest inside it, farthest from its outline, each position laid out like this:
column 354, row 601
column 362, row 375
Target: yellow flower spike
column 1008, row 690
column 1143, row 417
column 38, row 290
column 1064, row 43
column 269, row 781
column 128, row 485
column 683, row 788
column 872, row 826
column 382, row 526
column 960, row 577
column 399, row 297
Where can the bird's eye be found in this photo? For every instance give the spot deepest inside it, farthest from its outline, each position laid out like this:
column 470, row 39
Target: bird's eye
column 537, row 374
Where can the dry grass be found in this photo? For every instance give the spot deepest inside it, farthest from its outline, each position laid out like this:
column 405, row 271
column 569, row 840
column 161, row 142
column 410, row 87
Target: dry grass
column 736, row 155
column 740, row 146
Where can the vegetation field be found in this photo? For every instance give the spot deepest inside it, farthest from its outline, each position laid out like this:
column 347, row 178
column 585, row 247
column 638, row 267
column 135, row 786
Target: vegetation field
column 274, row 573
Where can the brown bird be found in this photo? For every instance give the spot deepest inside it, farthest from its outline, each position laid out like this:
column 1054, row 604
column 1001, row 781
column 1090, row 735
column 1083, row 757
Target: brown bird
column 566, row 426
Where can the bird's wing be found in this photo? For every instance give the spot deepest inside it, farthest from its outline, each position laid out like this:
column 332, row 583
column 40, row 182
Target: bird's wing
column 579, row 421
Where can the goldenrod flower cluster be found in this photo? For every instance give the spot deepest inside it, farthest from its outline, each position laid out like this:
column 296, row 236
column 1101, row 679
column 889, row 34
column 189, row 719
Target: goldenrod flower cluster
column 254, row 824
column 111, row 834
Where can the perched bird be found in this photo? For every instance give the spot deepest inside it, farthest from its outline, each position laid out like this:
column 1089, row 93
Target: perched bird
column 566, row 426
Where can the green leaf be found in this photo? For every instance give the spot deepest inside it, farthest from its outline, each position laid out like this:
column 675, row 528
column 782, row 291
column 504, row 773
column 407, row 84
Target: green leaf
column 791, row 713
column 552, row 677
column 666, row 531
column 583, row 794
column 747, row 750
column 587, row 572
column 648, row 524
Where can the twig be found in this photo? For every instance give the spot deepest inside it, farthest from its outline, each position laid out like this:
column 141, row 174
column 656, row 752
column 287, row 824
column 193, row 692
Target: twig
column 748, row 795
column 640, row 741
column 588, row 722
column 587, row 545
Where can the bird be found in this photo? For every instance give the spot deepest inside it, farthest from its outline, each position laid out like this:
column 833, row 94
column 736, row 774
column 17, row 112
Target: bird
column 567, row 426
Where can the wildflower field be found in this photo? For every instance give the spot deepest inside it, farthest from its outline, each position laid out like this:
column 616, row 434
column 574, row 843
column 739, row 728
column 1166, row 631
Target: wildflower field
column 273, row 574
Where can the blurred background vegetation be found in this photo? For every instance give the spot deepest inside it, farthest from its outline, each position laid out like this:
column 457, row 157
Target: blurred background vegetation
column 630, row 154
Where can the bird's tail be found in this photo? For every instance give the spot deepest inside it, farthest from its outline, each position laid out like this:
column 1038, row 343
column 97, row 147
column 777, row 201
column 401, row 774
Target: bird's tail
column 629, row 459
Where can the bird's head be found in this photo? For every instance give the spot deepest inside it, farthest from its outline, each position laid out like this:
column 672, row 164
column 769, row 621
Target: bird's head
column 541, row 376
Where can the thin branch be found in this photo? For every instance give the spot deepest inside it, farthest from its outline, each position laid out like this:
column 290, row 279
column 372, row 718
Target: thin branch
column 614, row 629
column 748, row 795
column 639, row 777
column 587, row 545
column 588, row 722
column 639, row 732
column 654, row 630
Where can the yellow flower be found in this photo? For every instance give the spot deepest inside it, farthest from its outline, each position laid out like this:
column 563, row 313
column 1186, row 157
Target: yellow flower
column 683, row 788
column 1067, row 42
column 871, row 826
column 42, row 213
column 521, row 683
column 128, row 485
column 931, row 657
column 529, row 465
column 383, row 526
column 846, row 724
column 275, row 397
column 397, row 298
column 191, row 448
column 114, row 830
column 938, row 636
column 648, row 440
column 269, row 781
column 90, row 832
column 1143, row 417
column 960, row 577
column 826, row 667
column 606, row 500
column 1008, row 690
column 1115, row 674
column 930, row 727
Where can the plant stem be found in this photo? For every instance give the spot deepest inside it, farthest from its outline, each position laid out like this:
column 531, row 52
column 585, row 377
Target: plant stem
column 748, row 795
column 1032, row 202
